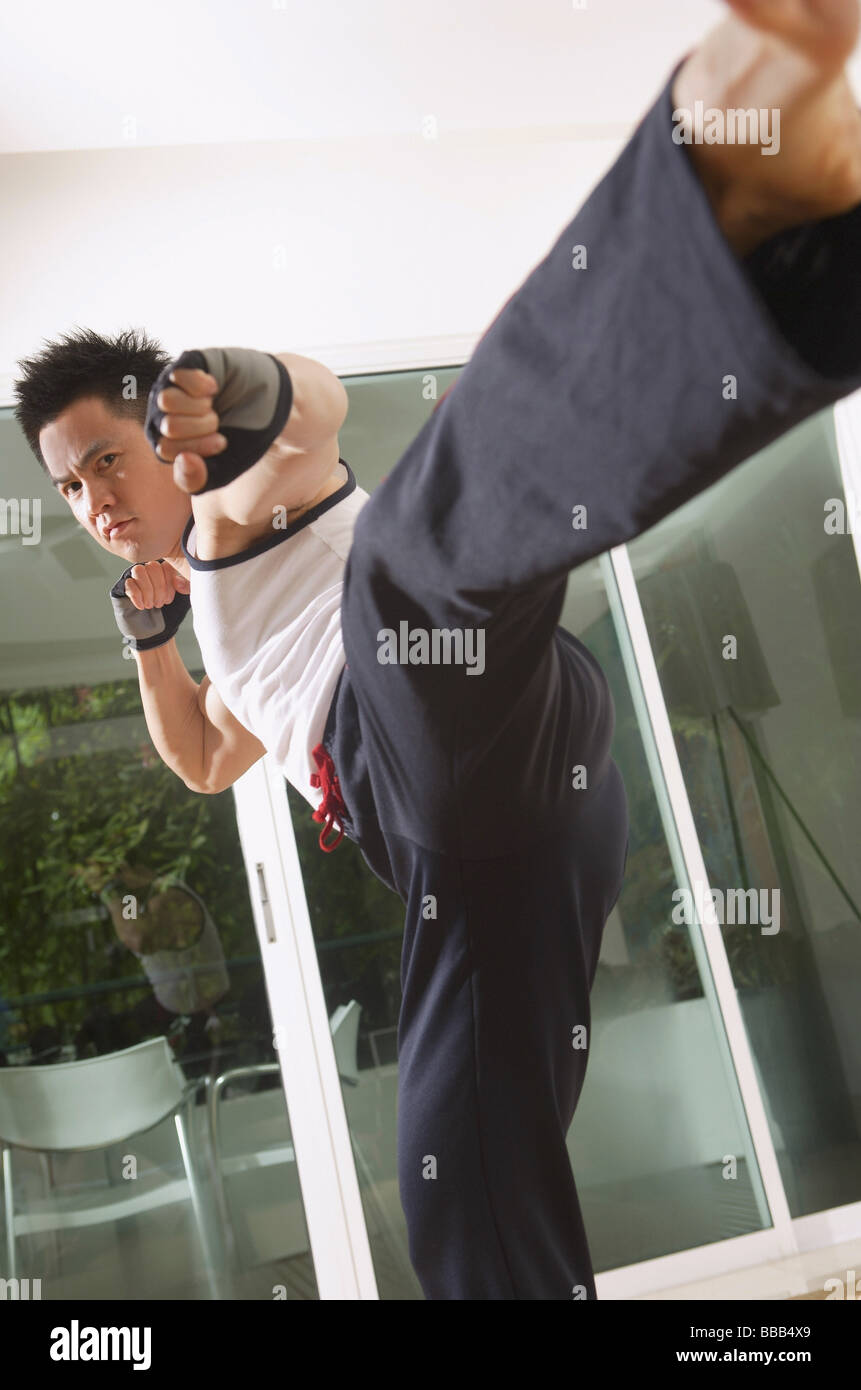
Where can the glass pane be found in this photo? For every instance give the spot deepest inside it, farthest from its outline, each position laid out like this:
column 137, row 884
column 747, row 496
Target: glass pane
column 659, row 1112
column 124, row 921
column 357, row 922
column 358, row 929
column 659, row 1145
column 752, row 607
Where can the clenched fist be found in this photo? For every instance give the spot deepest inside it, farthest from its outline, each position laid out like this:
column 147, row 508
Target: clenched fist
column 188, row 429
column 150, row 601
column 215, row 411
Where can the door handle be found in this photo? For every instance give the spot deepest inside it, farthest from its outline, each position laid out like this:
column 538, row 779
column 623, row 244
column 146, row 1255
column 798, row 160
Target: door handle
column 268, row 920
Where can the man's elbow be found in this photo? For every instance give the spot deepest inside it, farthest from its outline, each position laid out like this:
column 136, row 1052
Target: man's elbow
column 210, row 788
column 222, row 776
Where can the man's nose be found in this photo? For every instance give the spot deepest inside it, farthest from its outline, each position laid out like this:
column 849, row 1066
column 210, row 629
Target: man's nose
column 97, row 494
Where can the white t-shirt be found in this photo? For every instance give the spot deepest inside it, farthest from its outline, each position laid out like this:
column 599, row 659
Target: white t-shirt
column 268, row 623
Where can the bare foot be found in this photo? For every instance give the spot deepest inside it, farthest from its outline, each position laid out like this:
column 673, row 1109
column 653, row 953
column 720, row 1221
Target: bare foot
column 787, row 56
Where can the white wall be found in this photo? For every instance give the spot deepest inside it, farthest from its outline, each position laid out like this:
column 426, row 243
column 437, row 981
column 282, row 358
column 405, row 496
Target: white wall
column 287, row 246
column 154, row 159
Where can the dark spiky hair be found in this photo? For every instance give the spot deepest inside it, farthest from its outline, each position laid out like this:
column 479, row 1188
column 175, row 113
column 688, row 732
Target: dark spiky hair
column 83, row 363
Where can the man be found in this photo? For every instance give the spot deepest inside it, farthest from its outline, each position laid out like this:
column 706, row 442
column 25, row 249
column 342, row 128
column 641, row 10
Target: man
column 601, row 385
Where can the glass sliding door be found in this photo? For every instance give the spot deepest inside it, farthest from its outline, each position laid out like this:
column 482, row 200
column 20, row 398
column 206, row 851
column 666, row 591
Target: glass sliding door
column 125, row 918
column 357, row 923
column 129, row 961
column 660, row 1145
column 752, row 602
column 358, row 927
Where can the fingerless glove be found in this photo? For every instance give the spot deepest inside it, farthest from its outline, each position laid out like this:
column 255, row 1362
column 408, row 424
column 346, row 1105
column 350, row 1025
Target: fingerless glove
column 145, row 628
column 253, row 401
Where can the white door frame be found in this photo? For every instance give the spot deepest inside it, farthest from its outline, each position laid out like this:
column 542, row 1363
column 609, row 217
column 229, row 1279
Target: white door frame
column 302, row 1038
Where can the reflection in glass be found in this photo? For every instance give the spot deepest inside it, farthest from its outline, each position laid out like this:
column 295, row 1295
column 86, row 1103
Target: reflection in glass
column 660, row 1110
column 124, row 918
column 752, row 609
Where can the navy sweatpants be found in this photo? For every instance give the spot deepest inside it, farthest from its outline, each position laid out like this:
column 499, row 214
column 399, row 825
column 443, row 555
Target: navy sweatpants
column 488, row 799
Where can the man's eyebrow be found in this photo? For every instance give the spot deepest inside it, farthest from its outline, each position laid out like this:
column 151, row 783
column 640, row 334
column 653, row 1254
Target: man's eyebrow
column 96, row 447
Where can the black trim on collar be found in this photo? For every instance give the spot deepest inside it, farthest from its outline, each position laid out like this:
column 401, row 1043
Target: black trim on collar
column 259, row 547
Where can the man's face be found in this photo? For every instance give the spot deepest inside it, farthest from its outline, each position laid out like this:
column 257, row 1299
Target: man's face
column 105, row 468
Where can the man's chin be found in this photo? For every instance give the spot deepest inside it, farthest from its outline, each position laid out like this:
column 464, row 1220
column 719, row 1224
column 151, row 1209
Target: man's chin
column 132, row 551
column 138, row 542
column 140, row 546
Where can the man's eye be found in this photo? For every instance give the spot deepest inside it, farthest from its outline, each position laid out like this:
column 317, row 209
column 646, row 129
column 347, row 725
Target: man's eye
column 77, row 484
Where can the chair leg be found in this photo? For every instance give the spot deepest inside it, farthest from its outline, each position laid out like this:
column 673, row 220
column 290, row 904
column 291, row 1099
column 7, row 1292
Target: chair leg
column 9, row 1213
column 196, row 1204
column 228, row 1231
column 216, row 1091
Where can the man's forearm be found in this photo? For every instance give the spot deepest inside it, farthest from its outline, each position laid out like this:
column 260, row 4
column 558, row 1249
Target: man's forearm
column 173, row 715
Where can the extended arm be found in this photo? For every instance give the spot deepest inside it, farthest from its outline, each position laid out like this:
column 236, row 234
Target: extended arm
column 191, row 727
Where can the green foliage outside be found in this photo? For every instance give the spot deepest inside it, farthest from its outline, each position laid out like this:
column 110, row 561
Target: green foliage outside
column 82, row 790
column 81, row 787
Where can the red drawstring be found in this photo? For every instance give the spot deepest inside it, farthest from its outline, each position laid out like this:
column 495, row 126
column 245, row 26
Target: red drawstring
column 332, row 807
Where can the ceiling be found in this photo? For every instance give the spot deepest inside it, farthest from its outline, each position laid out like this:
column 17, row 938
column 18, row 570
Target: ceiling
column 105, row 73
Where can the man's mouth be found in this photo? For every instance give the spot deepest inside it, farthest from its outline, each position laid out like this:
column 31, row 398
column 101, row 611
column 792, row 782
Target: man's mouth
column 117, row 528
